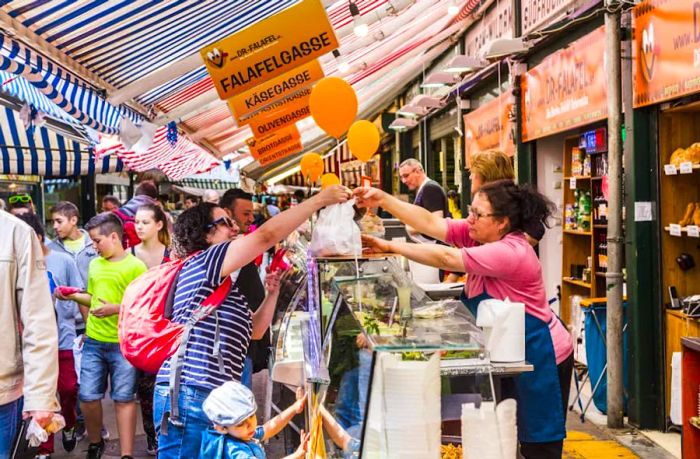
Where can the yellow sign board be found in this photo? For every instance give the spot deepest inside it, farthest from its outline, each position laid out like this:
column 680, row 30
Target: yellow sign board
column 280, row 153
column 269, row 48
column 276, row 89
column 276, row 145
column 280, row 114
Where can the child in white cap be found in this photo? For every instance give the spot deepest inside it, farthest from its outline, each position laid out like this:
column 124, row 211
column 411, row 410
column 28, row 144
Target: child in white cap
column 236, row 433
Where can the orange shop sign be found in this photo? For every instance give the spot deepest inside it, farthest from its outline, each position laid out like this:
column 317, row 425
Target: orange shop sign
column 666, row 50
column 568, row 89
column 275, row 146
column 489, row 127
column 269, row 48
column 280, row 114
column 276, row 89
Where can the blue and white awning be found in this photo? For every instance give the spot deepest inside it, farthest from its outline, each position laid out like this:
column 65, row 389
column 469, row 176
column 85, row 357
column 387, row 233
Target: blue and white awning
column 45, row 152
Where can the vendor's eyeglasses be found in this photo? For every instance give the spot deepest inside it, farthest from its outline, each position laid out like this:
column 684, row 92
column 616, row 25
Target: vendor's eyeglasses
column 477, row 215
column 23, row 198
column 219, row 221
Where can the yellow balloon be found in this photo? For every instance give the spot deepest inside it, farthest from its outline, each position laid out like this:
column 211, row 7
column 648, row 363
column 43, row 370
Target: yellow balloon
column 329, row 179
column 333, row 105
column 363, row 140
column 311, row 166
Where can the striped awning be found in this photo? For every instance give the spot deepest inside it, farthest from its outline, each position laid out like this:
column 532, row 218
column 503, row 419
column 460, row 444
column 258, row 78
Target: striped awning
column 45, row 152
column 177, row 161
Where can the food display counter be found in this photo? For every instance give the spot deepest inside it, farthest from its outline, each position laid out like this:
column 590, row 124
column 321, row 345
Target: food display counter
column 388, row 353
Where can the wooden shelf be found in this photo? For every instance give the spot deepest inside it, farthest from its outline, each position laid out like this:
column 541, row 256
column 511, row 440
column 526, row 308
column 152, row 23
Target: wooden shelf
column 696, row 167
column 578, row 177
column 600, row 273
column 578, row 233
column 600, row 226
column 576, row 282
column 684, row 230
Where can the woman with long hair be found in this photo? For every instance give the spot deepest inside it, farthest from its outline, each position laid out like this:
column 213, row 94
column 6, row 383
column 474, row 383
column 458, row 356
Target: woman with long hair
column 151, row 225
column 218, row 343
column 491, row 247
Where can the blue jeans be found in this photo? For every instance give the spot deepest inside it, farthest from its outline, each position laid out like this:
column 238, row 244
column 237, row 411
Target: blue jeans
column 180, row 442
column 247, row 374
column 10, row 417
column 100, row 360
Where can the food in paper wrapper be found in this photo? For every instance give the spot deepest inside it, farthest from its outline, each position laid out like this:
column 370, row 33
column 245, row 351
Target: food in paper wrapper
column 371, row 224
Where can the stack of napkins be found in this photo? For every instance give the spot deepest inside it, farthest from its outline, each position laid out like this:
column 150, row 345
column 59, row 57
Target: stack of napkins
column 489, row 433
column 404, row 414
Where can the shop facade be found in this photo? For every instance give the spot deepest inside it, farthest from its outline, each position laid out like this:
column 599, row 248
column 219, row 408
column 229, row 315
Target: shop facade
column 666, row 99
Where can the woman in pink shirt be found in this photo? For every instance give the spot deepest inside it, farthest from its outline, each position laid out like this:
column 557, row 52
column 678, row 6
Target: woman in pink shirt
column 490, row 246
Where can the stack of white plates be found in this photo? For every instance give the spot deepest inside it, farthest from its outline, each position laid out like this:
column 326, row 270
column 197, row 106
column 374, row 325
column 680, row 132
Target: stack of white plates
column 408, row 397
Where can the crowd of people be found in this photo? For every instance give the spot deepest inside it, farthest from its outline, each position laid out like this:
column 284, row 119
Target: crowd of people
column 84, row 271
column 199, row 403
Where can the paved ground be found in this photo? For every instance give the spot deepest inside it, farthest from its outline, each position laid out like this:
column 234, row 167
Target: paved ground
column 584, row 440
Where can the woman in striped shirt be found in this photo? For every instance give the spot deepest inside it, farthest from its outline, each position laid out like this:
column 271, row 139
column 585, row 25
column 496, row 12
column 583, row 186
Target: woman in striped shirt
column 217, row 346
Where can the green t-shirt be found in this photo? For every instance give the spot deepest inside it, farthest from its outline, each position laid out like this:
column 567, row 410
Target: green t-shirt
column 74, row 245
column 107, row 280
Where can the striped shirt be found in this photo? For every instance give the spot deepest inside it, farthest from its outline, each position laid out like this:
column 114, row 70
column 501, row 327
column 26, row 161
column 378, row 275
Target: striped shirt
column 201, row 366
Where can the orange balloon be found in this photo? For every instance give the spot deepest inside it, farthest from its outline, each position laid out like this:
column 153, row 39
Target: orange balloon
column 333, row 105
column 363, row 140
column 311, row 166
column 329, row 179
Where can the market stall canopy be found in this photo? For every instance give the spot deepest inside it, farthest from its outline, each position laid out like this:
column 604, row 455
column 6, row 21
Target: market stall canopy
column 219, row 178
column 46, row 153
column 101, row 62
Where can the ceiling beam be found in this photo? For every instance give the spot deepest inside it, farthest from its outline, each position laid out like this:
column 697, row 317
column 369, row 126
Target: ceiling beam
column 36, row 42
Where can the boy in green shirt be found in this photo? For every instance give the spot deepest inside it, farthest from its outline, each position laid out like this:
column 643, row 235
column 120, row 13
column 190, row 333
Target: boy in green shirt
column 108, row 276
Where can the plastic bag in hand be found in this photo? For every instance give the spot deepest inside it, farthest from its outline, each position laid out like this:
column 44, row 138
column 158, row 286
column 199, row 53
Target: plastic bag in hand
column 38, row 435
column 335, row 232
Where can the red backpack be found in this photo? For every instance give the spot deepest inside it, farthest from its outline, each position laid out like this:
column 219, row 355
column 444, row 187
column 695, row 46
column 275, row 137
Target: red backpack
column 147, row 336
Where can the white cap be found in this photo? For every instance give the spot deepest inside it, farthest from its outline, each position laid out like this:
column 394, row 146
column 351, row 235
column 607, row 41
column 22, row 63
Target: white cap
column 230, row 404
column 210, row 196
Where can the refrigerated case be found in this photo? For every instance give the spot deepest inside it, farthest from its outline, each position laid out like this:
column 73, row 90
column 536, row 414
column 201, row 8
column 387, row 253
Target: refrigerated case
column 366, row 332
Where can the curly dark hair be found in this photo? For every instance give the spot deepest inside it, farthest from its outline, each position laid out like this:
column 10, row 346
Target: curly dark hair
column 524, row 206
column 189, row 232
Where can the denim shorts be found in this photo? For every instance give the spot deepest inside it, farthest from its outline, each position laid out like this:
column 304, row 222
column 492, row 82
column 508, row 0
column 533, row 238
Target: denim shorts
column 100, row 360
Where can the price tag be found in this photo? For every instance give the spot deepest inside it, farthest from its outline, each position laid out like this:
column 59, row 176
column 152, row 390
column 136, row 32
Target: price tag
column 675, row 229
column 693, row 230
column 670, row 169
column 686, row 167
column 572, row 183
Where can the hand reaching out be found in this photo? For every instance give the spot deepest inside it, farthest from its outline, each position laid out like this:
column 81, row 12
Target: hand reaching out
column 375, row 244
column 301, row 400
column 272, row 281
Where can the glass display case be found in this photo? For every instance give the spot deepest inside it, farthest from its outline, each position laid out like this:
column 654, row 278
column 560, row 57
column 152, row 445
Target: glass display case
column 385, row 345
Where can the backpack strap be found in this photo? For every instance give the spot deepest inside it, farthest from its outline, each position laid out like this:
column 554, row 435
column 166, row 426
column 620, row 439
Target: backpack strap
column 209, row 305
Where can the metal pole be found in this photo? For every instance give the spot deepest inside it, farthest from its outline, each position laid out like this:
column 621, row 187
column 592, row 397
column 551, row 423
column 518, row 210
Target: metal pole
column 613, row 277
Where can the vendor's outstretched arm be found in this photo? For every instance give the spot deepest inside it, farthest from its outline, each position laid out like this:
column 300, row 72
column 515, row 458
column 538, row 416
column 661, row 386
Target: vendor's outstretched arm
column 439, row 256
column 417, row 218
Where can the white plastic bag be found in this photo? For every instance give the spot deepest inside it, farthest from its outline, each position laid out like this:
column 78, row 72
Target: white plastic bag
column 335, row 232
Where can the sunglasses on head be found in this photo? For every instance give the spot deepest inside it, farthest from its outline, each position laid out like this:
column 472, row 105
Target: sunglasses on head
column 24, row 198
column 219, row 221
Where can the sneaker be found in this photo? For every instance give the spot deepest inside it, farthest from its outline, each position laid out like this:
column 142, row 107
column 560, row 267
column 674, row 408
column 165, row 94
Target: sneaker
column 69, row 438
column 95, row 450
column 80, row 432
column 42, row 456
column 151, row 445
column 104, row 433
